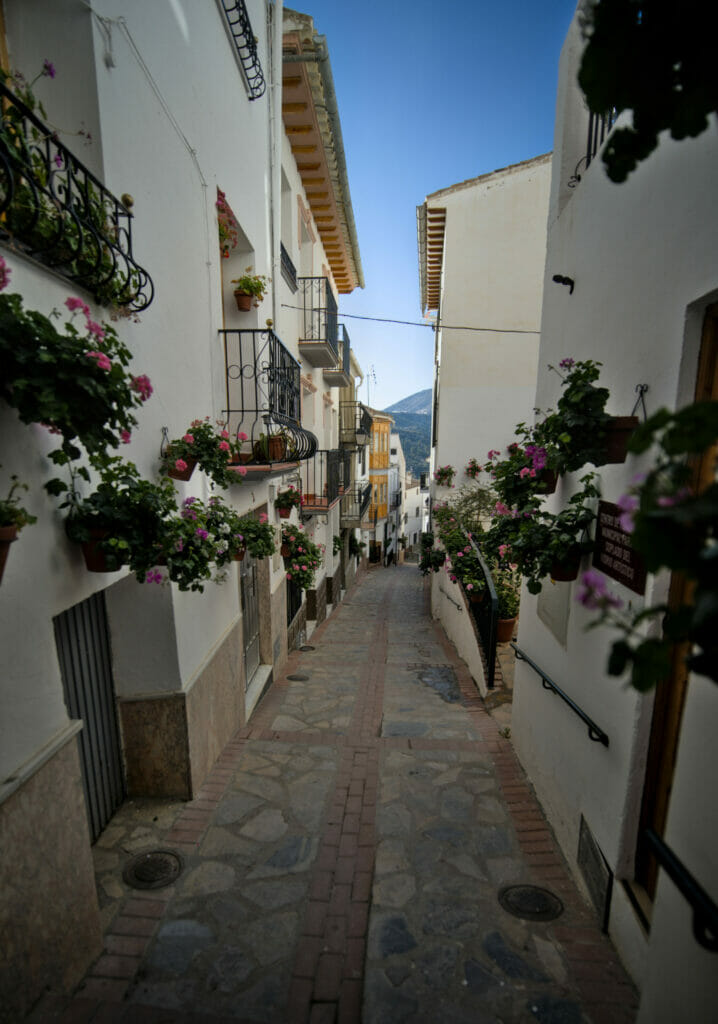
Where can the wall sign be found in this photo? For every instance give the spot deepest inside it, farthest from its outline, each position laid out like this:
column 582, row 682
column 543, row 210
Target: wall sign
column 613, row 553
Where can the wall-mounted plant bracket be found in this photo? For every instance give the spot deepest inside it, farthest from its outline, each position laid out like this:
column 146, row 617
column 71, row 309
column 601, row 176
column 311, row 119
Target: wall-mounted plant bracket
column 640, row 390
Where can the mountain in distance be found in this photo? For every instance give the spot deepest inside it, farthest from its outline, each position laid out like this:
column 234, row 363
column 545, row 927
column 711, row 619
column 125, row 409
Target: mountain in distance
column 418, row 403
column 412, row 422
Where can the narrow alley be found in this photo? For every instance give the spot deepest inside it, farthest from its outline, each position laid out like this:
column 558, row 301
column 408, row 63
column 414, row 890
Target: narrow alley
column 343, row 862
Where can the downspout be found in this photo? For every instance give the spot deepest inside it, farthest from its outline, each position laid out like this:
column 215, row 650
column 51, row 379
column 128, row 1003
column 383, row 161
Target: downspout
column 276, row 128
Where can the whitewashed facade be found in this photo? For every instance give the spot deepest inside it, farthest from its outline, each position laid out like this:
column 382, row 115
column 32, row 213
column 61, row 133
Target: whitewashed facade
column 644, row 264
column 163, row 95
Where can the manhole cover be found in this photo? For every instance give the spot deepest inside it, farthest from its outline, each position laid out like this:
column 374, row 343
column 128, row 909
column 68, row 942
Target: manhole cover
column 298, row 677
column 530, row 902
column 307, row 647
column 153, row 870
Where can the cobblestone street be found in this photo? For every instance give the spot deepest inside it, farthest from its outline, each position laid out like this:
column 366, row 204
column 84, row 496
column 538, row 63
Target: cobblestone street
column 343, row 860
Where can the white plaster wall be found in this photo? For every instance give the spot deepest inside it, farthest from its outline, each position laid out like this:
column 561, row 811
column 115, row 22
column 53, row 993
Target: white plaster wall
column 643, row 258
column 173, row 123
column 493, row 277
column 449, row 606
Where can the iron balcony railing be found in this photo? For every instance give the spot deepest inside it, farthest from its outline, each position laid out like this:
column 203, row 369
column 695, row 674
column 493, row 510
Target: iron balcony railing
column 262, row 398
column 325, row 477
column 245, row 42
column 320, row 312
column 355, row 504
column 55, row 211
column 396, row 500
column 354, row 419
column 344, row 351
column 599, row 127
column 289, row 271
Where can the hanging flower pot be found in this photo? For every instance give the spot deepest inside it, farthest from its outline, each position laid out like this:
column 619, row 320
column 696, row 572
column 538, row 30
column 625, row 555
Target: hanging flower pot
column 284, row 513
column 178, row 473
column 566, row 569
column 505, row 629
column 239, row 555
column 244, row 301
column 285, row 551
column 618, row 434
column 7, row 535
column 95, row 558
column 548, row 481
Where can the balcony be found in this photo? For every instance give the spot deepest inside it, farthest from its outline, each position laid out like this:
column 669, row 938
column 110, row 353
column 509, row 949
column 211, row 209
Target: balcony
column 339, row 376
column 262, row 401
column 325, row 478
column 57, row 213
column 355, row 504
column 599, row 127
column 354, row 425
column 318, row 342
column 245, row 44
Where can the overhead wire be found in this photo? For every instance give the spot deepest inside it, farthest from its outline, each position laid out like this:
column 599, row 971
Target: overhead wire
column 420, row 323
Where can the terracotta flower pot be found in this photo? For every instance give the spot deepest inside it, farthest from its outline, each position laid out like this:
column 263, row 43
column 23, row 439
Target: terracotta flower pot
column 284, row 513
column 182, row 474
column 95, row 557
column 567, row 569
column 548, row 481
column 7, row 535
column 285, row 551
column 618, row 434
column 244, row 301
column 505, row 629
column 239, row 555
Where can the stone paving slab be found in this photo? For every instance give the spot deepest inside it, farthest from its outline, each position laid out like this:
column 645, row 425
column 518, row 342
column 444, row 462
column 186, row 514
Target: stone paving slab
column 343, row 860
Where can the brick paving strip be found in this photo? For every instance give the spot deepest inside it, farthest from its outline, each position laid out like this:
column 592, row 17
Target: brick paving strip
column 327, row 977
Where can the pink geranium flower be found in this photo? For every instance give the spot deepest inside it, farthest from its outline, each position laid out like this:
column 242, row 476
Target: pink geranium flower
column 180, row 465
column 103, row 363
column 73, row 304
column 126, row 436
column 188, row 438
column 4, row 274
column 96, row 329
column 223, row 446
column 142, row 386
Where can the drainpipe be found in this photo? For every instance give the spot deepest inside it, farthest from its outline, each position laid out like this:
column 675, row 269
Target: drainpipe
column 275, row 151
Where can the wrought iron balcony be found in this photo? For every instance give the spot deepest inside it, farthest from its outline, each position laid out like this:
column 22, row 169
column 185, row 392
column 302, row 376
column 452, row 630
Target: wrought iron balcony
column 599, row 127
column 318, row 342
column 289, row 271
column 325, row 478
column 339, row 376
column 55, row 211
column 396, row 501
column 263, row 392
column 354, row 424
column 355, row 504
column 245, row 43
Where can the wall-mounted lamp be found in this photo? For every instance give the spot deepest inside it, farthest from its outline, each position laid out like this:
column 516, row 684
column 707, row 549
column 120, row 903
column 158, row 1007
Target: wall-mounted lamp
column 562, row 279
column 362, row 437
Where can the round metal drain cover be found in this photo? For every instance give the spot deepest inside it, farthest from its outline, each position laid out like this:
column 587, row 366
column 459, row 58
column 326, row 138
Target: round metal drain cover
column 307, row 647
column 153, row 870
column 530, row 902
column 298, row 677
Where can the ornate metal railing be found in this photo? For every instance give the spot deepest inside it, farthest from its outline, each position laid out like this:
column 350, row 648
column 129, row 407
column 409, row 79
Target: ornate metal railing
column 55, row 211
column 355, row 503
column 320, row 312
column 263, row 397
column 705, row 912
column 240, row 29
column 325, row 477
column 595, row 732
column 289, row 271
column 344, row 350
column 599, row 126
column 486, row 617
column 354, row 419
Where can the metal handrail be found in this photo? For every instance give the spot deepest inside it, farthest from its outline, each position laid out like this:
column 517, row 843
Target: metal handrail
column 486, row 617
column 705, row 912
column 56, row 212
column 595, row 732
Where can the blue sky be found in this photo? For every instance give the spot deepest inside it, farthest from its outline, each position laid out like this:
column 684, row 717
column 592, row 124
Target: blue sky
column 429, row 93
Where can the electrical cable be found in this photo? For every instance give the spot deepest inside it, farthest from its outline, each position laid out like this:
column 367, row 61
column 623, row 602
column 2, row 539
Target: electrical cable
column 417, row 323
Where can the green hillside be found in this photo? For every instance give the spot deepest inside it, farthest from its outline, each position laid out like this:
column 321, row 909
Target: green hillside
column 414, row 429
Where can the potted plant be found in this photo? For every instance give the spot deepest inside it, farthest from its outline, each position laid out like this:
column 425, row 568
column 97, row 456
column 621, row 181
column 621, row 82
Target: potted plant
column 249, row 289
column 444, row 476
column 285, row 501
column 506, row 584
column 121, row 522
column 258, row 535
column 304, row 557
column 200, row 445
column 197, row 543
column 473, row 469
column 269, row 448
column 13, row 517
column 356, row 547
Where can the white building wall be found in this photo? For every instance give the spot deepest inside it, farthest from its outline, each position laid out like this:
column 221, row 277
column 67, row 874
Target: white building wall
column 643, row 258
column 494, row 252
